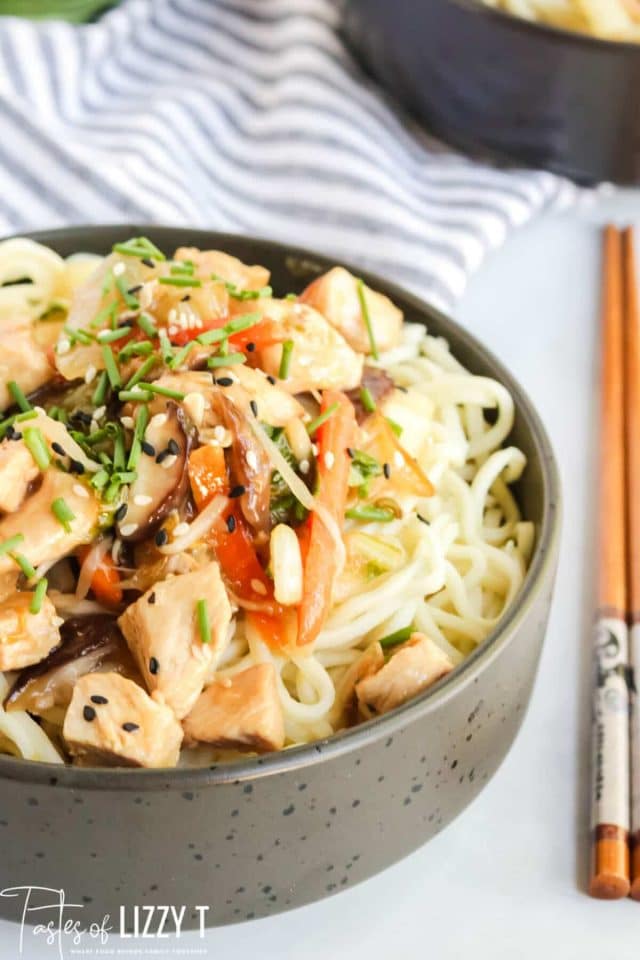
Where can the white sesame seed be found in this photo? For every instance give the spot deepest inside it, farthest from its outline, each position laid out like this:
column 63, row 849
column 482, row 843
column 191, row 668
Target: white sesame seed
column 127, row 422
column 329, row 460
column 128, row 529
column 172, row 316
column 90, row 374
column 142, row 500
column 99, row 413
column 80, row 491
column 398, row 459
column 194, row 405
column 64, row 346
column 169, row 461
column 259, row 587
column 181, row 529
column 314, row 449
column 118, row 269
column 219, row 433
column 304, row 466
column 57, row 621
column 252, row 460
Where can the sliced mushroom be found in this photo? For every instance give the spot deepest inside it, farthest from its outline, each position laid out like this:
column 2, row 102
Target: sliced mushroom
column 89, row 645
column 378, row 383
column 250, row 466
column 162, row 481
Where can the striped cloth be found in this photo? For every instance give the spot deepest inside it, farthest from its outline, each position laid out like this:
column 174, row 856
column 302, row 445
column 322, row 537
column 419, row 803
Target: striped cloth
column 246, row 116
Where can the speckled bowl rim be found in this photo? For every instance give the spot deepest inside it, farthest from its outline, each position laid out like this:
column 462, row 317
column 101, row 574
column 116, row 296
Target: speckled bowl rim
column 558, row 34
column 300, row 757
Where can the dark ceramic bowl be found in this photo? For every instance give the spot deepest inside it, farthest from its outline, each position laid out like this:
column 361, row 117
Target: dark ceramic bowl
column 489, row 82
column 264, row 835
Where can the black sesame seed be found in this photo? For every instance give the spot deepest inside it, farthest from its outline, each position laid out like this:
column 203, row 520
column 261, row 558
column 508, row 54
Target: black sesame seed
column 152, row 596
column 173, row 447
column 187, row 296
column 154, row 666
column 76, row 467
column 120, row 513
column 422, row 519
column 237, row 491
column 15, row 434
column 161, row 538
column 400, row 388
column 10, row 432
column 148, row 448
column 224, row 381
column 88, row 713
column 251, row 347
column 272, row 380
column 137, row 287
column 254, row 408
column 231, row 523
column 83, row 417
column 58, row 448
column 162, row 456
column 99, row 699
column 130, row 727
column 386, row 469
column 350, row 453
column 148, row 262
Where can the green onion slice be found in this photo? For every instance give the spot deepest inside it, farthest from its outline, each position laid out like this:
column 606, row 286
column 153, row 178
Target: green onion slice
column 364, row 309
column 204, row 626
column 63, row 513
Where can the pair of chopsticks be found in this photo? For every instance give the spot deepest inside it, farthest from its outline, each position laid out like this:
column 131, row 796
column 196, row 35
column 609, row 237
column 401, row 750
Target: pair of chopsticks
column 615, row 801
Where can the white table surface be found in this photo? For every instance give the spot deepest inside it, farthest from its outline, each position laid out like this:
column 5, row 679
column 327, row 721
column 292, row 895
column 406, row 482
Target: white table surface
column 506, row 879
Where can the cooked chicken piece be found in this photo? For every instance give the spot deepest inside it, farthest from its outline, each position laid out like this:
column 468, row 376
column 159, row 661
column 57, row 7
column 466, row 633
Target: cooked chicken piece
column 412, row 668
column 111, row 721
column 162, row 631
column 242, row 712
column 321, row 358
column 17, row 470
column 215, row 263
column 26, row 637
column 22, row 358
column 335, row 295
column 45, row 538
column 369, row 661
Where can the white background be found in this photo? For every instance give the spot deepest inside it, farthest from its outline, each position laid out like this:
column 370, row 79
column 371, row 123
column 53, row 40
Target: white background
column 506, row 879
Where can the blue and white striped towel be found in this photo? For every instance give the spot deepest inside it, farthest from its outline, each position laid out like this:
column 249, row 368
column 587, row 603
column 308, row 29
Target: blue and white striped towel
column 247, row 116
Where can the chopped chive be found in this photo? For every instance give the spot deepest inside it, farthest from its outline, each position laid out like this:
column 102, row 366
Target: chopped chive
column 18, row 396
column 183, row 267
column 165, row 348
column 37, row 447
column 203, row 621
column 398, row 636
column 131, row 301
column 27, row 415
column 142, row 419
column 110, row 336
column 180, row 281
column 141, row 372
column 63, row 513
column 7, row 546
column 107, row 432
column 118, row 452
column 136, row 349
column 38, row 596
column 111, row 366
column 285, row 359
column 134, row 396
column 105, row 315
column 124, row 476
column 397, row 429
column 366, row 398
column 162, row 391
column 140, row 247
column 100, row 479
column 107, row 283
column 112, row 491
column 27, row 568
column 242, row 322
column 178, row 359
column 364, row 309
column 322, row 418
column 100, row 392
column 291, row 297
column 370, row 514
column 226, row 360
column 147, row 325
column 79, row 335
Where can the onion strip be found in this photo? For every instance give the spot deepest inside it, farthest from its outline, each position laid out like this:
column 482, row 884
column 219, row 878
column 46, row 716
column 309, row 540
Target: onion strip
column 198, row 528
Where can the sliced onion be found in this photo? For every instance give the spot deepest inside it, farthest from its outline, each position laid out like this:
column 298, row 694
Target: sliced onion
column 199, row 528
column 67, row 605
column 56, row 432
column 91, row 563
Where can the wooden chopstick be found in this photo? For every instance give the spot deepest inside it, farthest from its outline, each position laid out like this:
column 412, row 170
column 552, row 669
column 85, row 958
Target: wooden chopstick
column 632, row 458
column 610, row 727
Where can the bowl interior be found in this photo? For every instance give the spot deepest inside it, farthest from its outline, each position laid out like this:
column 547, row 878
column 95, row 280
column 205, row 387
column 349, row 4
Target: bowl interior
column 537, row 492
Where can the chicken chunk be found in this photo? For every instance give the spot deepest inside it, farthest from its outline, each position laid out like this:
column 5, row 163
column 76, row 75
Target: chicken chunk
column 335, row 296
column 25, row 637
column 111, row 721
column 23, row 359
column 369, row 661
column 17, row 470
column 230, row 269
column 162, row 631
column 411, row 669
column 46, row 539
column 321, row 358
column 242, row 712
